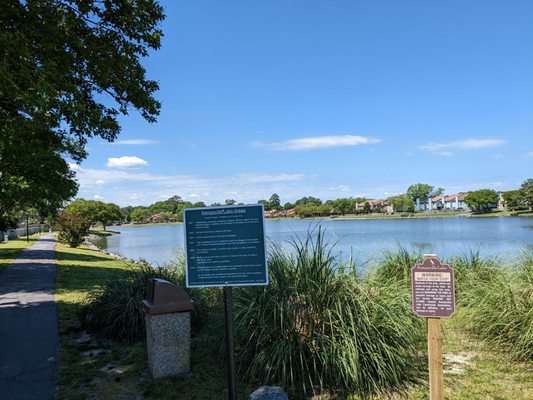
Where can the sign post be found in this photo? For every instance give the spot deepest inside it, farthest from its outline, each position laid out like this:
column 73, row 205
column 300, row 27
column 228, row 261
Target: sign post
column 433, row 294
column 225, row 246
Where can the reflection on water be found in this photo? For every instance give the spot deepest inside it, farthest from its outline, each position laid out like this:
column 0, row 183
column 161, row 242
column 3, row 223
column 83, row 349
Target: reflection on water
column 362, row 240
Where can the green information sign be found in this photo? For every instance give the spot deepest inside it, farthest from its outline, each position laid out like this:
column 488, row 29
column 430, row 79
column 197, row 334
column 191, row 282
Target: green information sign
column 225, row 246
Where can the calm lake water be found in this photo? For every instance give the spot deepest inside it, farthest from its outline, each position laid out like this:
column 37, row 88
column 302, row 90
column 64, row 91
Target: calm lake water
column 364, row 239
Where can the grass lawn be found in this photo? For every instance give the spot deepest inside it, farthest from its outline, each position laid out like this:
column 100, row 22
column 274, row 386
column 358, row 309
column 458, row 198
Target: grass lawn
column 473, row 369
column 11, row 249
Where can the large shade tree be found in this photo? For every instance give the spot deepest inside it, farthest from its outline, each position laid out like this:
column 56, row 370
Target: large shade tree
column 68, row 70
column 526, row 191
column 482, row 200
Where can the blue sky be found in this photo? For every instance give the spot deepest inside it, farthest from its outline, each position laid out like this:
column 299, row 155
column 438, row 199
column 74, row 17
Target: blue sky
column 329, row 99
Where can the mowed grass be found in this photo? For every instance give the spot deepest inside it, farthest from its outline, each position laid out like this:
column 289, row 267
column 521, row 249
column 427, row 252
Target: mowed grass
column 119, row 371
column 11, row 250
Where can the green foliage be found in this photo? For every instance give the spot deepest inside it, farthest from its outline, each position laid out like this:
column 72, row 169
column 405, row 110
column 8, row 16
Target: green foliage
column 526, row 190
column 56, row 59
column 33, row 174
column 265, row 203
column 114, row 311
column 140, row 214
column 306, row 201
column 72, row 227
column 419, row 191
column 402, row 203
column 501, row 310
column 311, row 210
column 316, row 328
column 471, row 270
column 69, row 70
column 96, row 211
column 394, row 266
column 275, row 201
column 482, row 200
column 513, row 199
column 288, row 206
column 344, row 206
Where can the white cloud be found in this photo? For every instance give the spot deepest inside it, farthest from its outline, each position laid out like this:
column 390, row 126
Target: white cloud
column 135, row 142
column 443, row 153
column 98, row 197
column 74, row 167
column 318, row 142
column 467, row 144
column 136, row 187
column 126, row 162
column 100, row 181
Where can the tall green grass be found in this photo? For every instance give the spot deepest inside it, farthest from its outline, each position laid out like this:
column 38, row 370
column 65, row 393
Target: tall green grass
column 115, row 312
column 317, row 328
column 500, row 309
column 394, row 266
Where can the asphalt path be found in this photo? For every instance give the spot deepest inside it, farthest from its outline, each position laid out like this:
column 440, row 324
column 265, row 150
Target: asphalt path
column 28, row 324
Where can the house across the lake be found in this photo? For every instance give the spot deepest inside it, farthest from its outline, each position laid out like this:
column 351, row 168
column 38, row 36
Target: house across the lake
column 452, row 202
column 375, row 206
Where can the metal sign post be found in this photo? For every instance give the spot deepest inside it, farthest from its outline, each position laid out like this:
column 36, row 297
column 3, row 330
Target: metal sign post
column 225, row 246
column 228, row 317
column 433, row 294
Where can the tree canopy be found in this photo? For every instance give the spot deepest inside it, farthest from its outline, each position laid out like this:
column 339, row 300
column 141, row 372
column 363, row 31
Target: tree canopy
column 482, row 200
column 69, row 69
column 423, row 191
column 95, row 211
column 526, row 189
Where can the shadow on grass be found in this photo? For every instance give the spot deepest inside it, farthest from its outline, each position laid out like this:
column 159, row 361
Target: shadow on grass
column 77, row 257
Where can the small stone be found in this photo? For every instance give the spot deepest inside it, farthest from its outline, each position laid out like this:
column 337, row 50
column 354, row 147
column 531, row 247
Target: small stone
column 269, row 393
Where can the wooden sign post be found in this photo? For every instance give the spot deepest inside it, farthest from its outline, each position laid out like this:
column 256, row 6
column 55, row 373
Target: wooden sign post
column 433, row 294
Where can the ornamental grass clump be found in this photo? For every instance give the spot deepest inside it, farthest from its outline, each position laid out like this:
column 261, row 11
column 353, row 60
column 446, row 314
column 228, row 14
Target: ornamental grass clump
column 472, row 272
column 501, row 309
column 317, row 329
column 114, row 311
column 395, row 266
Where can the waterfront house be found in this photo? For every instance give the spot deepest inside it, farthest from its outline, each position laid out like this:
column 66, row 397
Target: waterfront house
column 456, row 202
column 376, row 206
column 443, row 203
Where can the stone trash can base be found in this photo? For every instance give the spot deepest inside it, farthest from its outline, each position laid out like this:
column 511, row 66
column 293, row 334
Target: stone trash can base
column 168, row 344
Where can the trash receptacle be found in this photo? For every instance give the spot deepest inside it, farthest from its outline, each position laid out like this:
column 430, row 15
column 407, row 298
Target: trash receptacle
column 168, row 329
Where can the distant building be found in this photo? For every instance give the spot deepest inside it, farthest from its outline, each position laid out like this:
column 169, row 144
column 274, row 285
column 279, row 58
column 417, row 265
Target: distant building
column 279, row 213
column 452, row 202
column 376, row 206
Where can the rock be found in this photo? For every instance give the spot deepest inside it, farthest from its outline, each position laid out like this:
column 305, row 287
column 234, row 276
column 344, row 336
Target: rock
column 269, row 393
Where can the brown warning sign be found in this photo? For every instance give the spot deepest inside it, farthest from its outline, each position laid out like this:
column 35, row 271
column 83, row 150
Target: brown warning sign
column 433, row 291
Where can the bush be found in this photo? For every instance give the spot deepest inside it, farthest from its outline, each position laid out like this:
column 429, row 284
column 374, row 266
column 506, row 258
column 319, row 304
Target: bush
column 72, row 227
column 115, row 312
column 317, row 328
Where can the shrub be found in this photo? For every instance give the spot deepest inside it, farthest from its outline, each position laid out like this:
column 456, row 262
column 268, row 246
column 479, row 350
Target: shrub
column 317, row 328
column 115, row 312
column 73, row 227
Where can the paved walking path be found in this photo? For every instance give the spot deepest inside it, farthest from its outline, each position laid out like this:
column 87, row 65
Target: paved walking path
column 28, row 324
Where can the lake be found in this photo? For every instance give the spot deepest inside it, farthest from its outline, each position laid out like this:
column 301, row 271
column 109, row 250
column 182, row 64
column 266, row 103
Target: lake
column 365, row 240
